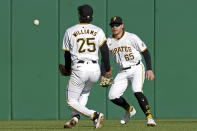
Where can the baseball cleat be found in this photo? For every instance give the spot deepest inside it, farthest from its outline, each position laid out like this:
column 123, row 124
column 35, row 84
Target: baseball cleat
column 98, row 122
column 151, row 122
column 127, row 116
column 71, row 123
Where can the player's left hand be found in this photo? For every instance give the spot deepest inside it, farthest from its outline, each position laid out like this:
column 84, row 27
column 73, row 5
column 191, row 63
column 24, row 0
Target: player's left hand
column 150, row 75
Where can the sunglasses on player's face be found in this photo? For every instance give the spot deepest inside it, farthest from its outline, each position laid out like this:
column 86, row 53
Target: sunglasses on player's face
column 116, row 25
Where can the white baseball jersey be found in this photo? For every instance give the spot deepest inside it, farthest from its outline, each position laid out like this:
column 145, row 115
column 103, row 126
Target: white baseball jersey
column 126, row 50
column 126, row 53
column 83, row 41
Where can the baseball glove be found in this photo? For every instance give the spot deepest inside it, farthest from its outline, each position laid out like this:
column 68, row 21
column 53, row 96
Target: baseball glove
column 105, row 82
column 63, row 70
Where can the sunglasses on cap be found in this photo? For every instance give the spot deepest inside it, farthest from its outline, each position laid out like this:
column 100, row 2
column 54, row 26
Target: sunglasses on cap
column 116, row 25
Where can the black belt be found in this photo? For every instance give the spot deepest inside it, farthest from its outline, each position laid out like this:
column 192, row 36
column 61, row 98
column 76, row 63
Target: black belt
column 130, row 66
column 81, row 61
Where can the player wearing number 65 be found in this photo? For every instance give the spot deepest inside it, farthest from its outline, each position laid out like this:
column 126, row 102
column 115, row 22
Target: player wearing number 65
column 126, row 48
column 81, row 44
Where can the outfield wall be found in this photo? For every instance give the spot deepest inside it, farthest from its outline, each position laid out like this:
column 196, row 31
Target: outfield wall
column 32, row 88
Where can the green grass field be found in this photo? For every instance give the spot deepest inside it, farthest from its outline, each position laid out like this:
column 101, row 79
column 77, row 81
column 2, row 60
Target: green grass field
column 108, row 125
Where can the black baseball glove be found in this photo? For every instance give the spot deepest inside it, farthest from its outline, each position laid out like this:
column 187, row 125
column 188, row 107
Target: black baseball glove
column 63, row 70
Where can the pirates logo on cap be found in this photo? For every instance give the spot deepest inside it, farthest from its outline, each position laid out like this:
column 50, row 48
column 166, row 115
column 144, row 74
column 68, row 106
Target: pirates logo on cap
column 114, row 19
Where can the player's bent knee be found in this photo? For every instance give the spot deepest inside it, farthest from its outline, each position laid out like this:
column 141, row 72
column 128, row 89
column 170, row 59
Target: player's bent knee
column 137, row 90
column 71, row 103
column 113, row 96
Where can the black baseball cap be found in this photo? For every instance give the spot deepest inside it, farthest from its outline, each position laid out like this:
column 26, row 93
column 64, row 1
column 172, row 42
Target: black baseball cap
column 116, row 20
column 85, row 10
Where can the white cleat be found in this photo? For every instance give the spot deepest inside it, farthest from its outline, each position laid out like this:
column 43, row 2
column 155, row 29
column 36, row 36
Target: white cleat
column 151, row 122
column 71, row 123
column 98, row 122
column 127, row 116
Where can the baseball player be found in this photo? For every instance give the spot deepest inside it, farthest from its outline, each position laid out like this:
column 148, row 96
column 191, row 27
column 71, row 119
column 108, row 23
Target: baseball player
column 126, row 49
column 81, row 44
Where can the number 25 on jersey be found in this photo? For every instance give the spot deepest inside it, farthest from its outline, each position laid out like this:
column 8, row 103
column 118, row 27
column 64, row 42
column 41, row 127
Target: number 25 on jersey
column 87, row 41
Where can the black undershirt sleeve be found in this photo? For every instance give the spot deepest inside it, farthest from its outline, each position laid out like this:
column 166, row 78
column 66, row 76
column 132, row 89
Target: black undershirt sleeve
column 67, row 57
column 105, row 62
column 147, row 57
column 103, row 71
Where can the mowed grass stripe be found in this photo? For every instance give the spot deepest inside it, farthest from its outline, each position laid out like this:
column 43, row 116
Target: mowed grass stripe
column 108, row 125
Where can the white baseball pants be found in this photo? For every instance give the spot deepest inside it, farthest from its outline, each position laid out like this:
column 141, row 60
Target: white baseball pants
column 83, row 77
column 135, row 75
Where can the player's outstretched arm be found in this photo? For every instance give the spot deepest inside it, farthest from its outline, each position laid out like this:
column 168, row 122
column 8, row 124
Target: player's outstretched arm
column 105, row 67
column 67, row 57
column 149, row 73
column 65, row 70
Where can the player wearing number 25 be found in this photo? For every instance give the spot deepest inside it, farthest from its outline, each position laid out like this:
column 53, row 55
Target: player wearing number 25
column 81, row 44
column 126, row 48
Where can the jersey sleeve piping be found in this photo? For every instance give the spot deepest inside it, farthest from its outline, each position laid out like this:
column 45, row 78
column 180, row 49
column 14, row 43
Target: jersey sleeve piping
column 102, row 43
column 65, row 49
column 143, row 50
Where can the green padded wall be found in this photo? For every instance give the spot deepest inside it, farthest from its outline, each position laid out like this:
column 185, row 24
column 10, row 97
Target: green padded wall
column 5, row 63
column 69, row 17
column 35, row 59
column 176, row 58
column 138, row 18
column 31, row 86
